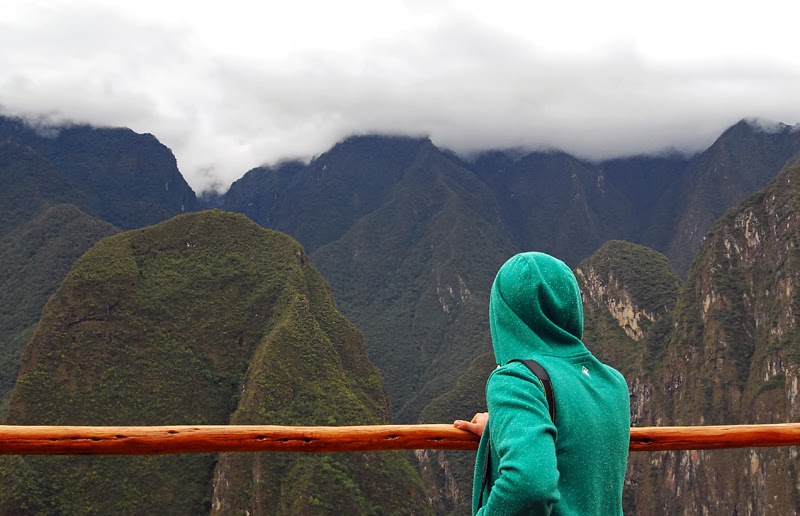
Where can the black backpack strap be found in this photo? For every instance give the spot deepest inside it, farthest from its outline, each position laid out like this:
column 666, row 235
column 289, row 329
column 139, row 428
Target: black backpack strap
column 544, row 378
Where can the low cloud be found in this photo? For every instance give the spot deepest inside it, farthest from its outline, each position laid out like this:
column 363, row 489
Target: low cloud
column 466, row 84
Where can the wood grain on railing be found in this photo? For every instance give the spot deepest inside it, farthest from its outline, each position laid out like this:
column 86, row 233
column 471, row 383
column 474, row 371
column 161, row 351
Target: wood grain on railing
column 155, row 440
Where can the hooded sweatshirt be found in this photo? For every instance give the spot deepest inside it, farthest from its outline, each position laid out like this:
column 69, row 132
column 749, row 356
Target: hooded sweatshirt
column 577, row 464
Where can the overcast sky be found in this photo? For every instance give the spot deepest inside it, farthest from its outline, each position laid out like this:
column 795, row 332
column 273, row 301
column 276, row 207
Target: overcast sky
column 232, row 85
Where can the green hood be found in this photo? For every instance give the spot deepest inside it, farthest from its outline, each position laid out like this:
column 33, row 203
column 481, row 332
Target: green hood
column 535, row 309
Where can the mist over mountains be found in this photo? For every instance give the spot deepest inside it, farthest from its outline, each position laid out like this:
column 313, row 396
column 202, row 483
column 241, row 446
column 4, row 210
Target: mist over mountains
column 674, row 254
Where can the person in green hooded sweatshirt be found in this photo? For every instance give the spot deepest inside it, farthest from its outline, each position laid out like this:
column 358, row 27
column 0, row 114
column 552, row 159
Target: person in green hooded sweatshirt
column 575, row 465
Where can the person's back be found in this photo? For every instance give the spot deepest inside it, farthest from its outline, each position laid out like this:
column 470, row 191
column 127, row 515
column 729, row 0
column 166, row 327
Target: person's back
column 593, row 434
column 577, row 464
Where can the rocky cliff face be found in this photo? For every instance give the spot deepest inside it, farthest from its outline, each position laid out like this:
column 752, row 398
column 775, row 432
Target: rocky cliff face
column 743, row 160
column 727, row 353
column 733, row 357
column 608, row 293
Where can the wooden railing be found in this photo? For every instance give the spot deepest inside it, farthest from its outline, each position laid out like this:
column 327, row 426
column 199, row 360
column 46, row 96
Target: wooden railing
column 154, row 440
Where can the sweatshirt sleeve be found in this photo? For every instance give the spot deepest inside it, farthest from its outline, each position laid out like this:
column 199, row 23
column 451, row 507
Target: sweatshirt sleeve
column 523, row 436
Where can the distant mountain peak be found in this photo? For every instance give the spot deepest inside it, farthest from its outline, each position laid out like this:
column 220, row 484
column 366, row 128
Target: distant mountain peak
column 765, row 125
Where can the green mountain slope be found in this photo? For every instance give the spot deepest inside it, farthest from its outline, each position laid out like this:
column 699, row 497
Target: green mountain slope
column 31, row 184
column 64, row 188
column 651, row 184
column 41, row 233
column 34, row 259
column 203, row 319
column 558, row 204
column 415, row 275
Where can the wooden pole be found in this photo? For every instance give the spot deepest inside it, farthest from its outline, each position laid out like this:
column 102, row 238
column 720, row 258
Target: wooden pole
column 155, row 440
column 713, row 437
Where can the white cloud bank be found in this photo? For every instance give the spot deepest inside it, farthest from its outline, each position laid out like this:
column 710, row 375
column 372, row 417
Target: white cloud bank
column 229, row 86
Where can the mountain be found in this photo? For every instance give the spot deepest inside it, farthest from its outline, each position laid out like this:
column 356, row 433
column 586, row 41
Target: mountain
column 555, row 203
column 733, row 358
column 548, row 201
column 410, row 237
column 740, row 162
column 31, row 183
column 204, row 319
column 568, row 207
column 127, row 179
column 651, row 185
column 415, row 274
column 382, row 265
column 721, row 348
column 629, row 295
column 319, row 202
column 34, row 259
column 42, row 232
column 64, row 188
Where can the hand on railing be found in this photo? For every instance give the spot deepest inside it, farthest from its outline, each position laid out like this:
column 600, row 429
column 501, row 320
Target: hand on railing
column 475, row 426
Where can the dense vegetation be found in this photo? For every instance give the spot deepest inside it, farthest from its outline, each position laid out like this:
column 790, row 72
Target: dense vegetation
column 64, row 189
column 415, row 274
column 42, row 232
column 204, row 319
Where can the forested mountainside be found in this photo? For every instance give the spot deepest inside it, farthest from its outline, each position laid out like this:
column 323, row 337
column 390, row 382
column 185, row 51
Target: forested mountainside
column 743, row 160
column 34, row 259
column 414, row 275
column 320, row 202
column 508, row 202
column 64, row 189
column 203, row 319
column 547, row 200
column 42, row 232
